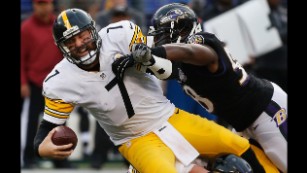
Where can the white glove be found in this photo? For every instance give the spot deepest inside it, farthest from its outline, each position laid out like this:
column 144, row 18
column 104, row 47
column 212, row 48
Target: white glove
column 142, row 53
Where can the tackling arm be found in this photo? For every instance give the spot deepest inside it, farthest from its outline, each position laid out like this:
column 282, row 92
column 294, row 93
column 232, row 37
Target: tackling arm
column 155, row 61
column 160, row 60
column 195, row 54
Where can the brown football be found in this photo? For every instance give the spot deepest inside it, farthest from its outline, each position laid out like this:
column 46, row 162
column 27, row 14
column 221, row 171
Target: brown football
column 64, row 135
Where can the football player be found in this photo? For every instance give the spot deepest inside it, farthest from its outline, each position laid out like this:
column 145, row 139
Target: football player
column 150, row 132
column 210, row 75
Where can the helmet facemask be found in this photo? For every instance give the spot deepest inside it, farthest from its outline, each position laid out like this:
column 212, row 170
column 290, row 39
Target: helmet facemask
column 229, row 163
column 93, row 49
column 163, row 35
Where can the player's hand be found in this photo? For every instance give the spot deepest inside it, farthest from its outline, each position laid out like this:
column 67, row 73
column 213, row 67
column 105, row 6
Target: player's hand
column 49, row 150
column 142, row 53
column 120, row 65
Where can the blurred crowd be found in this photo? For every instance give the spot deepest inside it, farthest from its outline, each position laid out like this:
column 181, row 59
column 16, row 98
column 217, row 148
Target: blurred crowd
column 38, row 15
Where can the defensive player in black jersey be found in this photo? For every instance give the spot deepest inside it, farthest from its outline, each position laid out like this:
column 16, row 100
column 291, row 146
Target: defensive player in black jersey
column 210, row 75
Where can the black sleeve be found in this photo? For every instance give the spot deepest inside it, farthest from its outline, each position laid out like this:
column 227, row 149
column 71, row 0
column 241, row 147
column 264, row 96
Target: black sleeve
column 44, row 128
column 159, row 51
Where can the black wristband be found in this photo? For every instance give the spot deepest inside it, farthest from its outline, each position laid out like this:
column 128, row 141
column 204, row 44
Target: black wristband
column 159, row 51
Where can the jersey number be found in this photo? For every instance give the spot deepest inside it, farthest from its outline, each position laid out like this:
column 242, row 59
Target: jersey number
column 56, row 73
column 122, row 88
column 204, row 102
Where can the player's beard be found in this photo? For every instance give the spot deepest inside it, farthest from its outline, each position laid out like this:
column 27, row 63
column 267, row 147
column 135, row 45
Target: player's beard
column 88, row 58
column 93, row 66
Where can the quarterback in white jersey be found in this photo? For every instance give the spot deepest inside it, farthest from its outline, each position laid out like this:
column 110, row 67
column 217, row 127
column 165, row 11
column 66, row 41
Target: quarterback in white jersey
column 117, row 108
column 148, row 130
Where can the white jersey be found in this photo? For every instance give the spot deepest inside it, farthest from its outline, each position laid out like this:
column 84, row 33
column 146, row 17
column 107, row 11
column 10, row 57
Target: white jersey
column 124, row 111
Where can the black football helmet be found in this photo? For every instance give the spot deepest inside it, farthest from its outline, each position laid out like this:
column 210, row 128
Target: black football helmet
column 229, row 163
column 71, row 22
column 173, row 23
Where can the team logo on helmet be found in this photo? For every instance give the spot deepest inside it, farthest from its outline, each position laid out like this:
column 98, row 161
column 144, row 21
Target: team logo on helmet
column 172, row 15
column 67, row 34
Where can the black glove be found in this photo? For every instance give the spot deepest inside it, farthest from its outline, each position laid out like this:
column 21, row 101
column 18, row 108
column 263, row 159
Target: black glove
column 120, row 65
column 142, row 53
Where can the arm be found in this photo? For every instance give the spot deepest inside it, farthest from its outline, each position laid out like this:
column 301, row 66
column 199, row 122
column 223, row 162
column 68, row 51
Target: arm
column 56, row 112
column 190, row 53
column 159, row 59
column 24, row 49
column 44, row 147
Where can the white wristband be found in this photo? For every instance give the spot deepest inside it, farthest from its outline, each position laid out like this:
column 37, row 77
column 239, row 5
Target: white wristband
column 162, row 68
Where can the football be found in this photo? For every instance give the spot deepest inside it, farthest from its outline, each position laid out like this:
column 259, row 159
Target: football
column 64, row 135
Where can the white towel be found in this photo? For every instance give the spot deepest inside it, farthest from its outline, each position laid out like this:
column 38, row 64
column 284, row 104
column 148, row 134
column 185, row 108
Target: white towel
column 182, row 149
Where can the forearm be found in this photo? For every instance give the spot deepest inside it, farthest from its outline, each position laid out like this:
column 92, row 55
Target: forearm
column 178, row 51
column 44, row 128
column 155, row 60
column 195, row 54
column 162, row 68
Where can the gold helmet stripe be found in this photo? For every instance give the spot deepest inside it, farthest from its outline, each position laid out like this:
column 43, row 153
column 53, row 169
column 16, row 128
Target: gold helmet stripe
column 65, row 20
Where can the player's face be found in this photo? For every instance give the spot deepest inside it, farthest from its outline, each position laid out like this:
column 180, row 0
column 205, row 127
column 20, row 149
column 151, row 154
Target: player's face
column 80, row 44
column 162, row 39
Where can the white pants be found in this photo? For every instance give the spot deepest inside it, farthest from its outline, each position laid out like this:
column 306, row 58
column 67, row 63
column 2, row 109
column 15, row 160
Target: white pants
column 270, row 129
